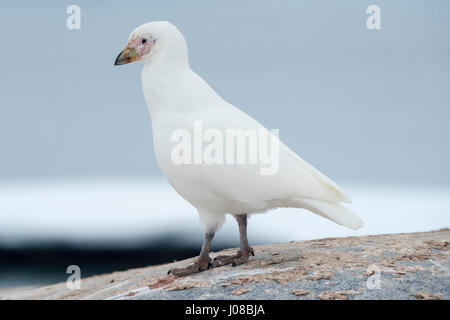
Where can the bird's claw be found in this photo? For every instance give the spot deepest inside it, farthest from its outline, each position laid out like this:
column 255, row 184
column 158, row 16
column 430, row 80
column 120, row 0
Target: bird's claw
column 239, row 258
column 197, row 266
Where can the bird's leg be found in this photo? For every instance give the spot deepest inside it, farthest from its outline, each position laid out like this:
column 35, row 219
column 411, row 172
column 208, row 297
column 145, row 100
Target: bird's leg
column 202, row 262
column 244, row 251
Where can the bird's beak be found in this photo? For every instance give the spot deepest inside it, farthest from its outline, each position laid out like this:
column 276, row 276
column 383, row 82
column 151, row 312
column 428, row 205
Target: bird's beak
column 126, row 56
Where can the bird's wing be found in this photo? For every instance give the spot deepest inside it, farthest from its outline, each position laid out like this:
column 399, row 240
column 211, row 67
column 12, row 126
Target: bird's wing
column 295, row 179
column 296, row 184
column 329, row 189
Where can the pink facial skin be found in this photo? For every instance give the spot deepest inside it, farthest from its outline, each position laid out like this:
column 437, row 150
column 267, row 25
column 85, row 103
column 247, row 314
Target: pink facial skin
column 141, row 48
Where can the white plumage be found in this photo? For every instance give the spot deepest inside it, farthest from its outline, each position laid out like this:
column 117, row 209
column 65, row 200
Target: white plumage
column 177, row 97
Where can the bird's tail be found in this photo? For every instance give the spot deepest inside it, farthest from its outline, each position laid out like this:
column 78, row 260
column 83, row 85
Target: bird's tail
column 333, row 211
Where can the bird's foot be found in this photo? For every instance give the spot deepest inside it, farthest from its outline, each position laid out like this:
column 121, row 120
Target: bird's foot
column 199, row 265
column 243, row 256
column 239, row 258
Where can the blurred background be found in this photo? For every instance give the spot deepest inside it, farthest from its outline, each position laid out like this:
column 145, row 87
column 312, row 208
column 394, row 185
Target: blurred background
column 79, row 183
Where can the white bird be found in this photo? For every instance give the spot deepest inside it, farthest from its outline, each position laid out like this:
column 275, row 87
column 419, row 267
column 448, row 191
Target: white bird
column 179, row 99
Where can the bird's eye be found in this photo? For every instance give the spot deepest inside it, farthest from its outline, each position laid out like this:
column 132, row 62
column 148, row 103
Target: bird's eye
column 144, row 41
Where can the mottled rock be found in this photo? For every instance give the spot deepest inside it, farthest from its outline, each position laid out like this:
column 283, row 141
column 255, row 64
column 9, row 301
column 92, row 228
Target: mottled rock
column 396, row 266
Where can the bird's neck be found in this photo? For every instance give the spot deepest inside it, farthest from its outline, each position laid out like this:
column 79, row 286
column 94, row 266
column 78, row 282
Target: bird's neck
column 165, row 73
column 160, row 81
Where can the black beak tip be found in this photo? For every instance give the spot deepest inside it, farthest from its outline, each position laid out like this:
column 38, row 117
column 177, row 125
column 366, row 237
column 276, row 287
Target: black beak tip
column 118, row 60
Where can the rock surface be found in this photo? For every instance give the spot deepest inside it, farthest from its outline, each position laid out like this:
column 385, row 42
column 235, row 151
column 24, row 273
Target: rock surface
column 396, row 266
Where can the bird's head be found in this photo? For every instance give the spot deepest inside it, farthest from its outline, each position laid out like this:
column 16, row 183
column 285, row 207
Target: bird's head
column 153, row 39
